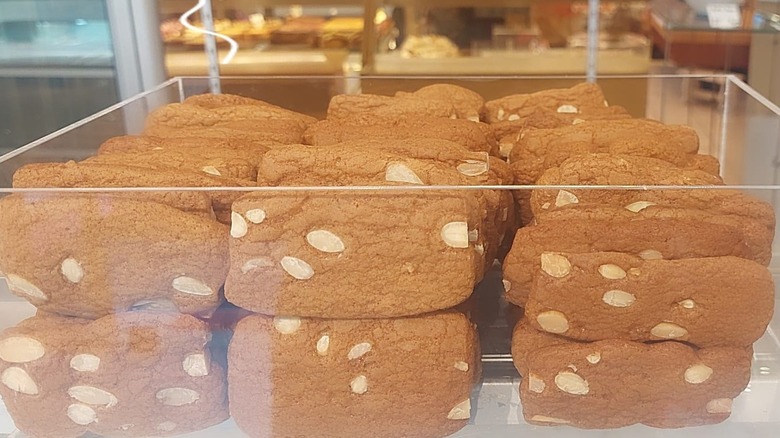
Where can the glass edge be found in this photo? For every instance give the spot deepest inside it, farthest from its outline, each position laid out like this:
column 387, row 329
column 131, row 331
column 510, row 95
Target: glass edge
column 88, row 119
column 389, row 189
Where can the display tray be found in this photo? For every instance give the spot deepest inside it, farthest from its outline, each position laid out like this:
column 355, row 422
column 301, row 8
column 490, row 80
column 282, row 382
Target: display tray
column 734, row 123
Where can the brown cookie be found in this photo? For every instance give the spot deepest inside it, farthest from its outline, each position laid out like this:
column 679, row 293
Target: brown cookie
column 224, row 166
column 129, row 375
column 468, row 104
column 307, row 254
column 580, row 99
column 88, row 255
column 263, row 110
column 76, row 175
column 365, row 166
column 508, row 133
column 358, row 108
column 384, row 378
column 542, row 149
column 616, row 170
column 653, row 233
column 472, row 136
column 708, row 302
column 204, row 147
column 91, row 174
column 616, row 383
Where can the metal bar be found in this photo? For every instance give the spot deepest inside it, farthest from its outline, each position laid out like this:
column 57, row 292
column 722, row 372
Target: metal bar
column 593, row 40
column 210, row 46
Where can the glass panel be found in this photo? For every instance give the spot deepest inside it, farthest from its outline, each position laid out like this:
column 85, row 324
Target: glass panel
column 350, row 245
column 56, row 66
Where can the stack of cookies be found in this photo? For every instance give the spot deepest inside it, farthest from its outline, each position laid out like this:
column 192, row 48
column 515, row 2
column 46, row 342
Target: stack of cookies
column 126, row 283
column 640, row 306
column 315, row 289
column 360, row 285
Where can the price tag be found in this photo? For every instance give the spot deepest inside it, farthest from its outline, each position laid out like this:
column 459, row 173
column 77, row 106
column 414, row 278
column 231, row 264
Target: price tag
column 724, row 15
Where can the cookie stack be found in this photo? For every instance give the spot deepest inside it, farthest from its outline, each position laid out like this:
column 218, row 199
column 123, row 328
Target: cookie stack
column 360, row 285
column 640, row 306
column 126, row 283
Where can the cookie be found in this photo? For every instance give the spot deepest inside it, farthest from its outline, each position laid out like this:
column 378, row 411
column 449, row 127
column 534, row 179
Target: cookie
column 508, row 133
column 76, row 175
column 133, row 375
column 343, row 254
column 365, row 108
column 479, row 168
column 365, row 166
column 653, row 233
column 203, row 147
column 90, row 174
column 542, row 149
column 230, row 167
column 614, row 170
column 384, row 378
column 579, row 99
column 226, row 116
column 707, row 302
column 88, row 255
column 468, row 104
column 263, row 110
column 472, row 136
column 616, row 383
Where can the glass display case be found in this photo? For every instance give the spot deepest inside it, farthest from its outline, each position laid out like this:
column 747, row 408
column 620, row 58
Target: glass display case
column 411, row 37
column 152, row 368
column 527, row 38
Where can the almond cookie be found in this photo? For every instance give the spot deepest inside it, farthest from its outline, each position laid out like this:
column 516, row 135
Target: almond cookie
column 468, row 104
column 541, row 149
column 620, row 296
column 307, row 254
column 614, row 170
column 204, row 147
column 88, row 255
column 91, row 174
column 385, row 378
column 135, row 374
column 479, row 168
column 616, row 383
column 77, row 175
column 230, row 167
column 263, row 110
column 472, row 136
column 654, row 233
column 508, row 133
column 365, row 166
column 581, row 98
column 364, row 108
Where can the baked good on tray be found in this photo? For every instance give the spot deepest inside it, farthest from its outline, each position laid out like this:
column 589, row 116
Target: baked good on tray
column 93, row 175
column 615, row 170
column 92, row 254
column 385, row 378
column 653, row 233
column 472, row 136
column 468, row 104
column 134, row 374
column 607, row 295
column 227, row 116
column 616, row 383
column 542, row 149
column 346, row 165
column 206, row 147
column 581, row 98
column 351, row 254
column 367, row 108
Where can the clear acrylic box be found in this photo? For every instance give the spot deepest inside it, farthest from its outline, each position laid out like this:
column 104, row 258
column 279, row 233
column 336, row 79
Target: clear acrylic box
column 735, row 124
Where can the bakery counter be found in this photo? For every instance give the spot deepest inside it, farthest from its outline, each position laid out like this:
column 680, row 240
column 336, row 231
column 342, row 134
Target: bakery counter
column 395, row 264
column 250, row 62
